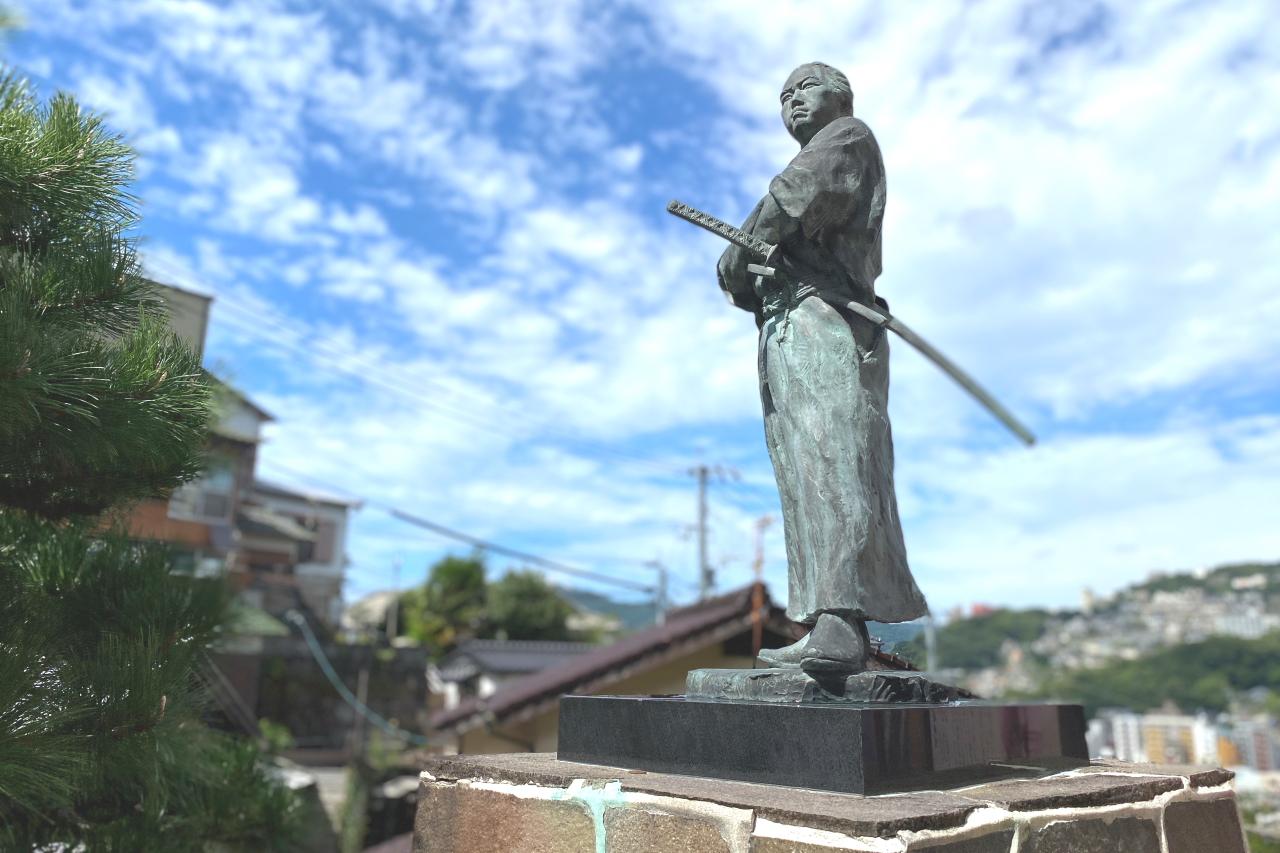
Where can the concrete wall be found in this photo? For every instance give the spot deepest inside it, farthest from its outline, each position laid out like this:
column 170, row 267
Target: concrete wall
column 533, row 803
column 288, row 687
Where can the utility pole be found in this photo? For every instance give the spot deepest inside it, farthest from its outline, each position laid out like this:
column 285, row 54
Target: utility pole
column 661, row 601
column 706, row 577
column 757, row 593
column 393, row 609
column 358, row 724
column 930, row 643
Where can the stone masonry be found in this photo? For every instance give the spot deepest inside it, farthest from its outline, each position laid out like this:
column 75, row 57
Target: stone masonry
column 532, row 803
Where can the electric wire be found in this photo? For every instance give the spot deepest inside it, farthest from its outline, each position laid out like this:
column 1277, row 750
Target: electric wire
column 370, row 373
column 249, row 323
column 494, row 547
column 478, row 542
column 317, row 652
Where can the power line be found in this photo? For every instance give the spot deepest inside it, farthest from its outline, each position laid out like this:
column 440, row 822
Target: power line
column 476, row 541
column 551, row 565
column 250, row 323
column 317, row 652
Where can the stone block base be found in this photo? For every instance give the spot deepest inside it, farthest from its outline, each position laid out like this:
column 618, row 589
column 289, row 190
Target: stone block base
column 868, row 748
column 530, row 803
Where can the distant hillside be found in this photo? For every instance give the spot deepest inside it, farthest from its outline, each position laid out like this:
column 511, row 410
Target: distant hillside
column 894, row 635
column 975, row 643
column 1217, row 580
column 632, row 615
column 1194, row 676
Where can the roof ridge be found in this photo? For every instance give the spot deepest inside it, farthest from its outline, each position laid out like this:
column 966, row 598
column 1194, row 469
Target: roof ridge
column 524, row 644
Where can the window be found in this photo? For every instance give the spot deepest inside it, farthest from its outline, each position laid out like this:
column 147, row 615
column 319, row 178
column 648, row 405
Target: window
column 322, row 550
column 208, row 498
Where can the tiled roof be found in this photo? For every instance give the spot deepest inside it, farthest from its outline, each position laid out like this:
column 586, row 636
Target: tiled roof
column 507, row 657
column 276, row 490
column 701, row 624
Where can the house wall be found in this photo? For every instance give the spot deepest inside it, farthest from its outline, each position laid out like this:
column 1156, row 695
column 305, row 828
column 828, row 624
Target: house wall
column 541, row 734
column 188, row 315
column 150, row 520
column 287, row 686
column 320, row 578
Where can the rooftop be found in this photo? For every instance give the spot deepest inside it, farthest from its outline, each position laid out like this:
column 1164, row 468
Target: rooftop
column 507, row 657
column 685, row 629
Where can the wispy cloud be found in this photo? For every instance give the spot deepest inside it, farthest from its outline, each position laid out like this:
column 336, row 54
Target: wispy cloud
column 435, row 233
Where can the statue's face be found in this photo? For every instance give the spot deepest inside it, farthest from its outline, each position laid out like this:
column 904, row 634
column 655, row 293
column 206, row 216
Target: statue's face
column 809, row 103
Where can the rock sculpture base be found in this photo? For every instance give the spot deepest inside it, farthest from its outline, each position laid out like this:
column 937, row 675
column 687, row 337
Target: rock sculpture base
column 793, row 685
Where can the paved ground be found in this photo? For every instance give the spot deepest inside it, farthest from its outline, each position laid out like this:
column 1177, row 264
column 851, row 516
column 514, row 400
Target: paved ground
column 332, row 784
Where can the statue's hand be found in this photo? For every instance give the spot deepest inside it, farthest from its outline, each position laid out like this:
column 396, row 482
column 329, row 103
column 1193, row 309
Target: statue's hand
column 773, row 225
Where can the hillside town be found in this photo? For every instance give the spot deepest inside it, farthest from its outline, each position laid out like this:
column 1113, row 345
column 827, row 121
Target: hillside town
column 1235, row 606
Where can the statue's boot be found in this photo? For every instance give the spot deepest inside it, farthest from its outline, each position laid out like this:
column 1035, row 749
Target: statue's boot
column 837, row 646
column 787, row 656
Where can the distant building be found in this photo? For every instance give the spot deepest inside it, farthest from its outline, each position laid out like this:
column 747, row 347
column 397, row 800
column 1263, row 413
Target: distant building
column 365, row 620
column 1249, row 619
column 1255, row 739
column 199, row 517
column 188, row 314
column 477, row 668
column 319, row 561
column 1126, row 733
column 1172, row 738
column 281, row 548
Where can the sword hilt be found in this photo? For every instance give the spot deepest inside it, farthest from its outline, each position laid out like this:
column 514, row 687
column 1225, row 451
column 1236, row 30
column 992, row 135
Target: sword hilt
column 721, row 229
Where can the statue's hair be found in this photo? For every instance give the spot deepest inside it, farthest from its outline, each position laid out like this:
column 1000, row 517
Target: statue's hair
column 836, row 79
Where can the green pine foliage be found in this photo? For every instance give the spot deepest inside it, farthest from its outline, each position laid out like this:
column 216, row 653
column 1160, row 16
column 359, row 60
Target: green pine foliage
column 101, row 741
column 92, row 381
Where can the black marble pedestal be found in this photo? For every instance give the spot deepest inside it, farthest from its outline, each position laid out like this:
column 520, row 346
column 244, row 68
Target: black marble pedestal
column 854, row 748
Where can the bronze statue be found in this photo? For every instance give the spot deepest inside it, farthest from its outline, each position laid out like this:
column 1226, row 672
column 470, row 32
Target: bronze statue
column 824, row 377
column 824, row 374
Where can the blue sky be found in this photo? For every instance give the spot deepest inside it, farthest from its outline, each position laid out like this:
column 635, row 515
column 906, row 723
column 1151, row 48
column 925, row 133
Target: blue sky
column 436, row 238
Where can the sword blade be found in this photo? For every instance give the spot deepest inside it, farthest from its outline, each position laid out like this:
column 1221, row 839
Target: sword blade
column 720, row 228
column 741, row 238
column 949, row 367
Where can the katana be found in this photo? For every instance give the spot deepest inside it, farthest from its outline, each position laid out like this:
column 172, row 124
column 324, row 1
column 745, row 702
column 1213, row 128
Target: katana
column 881, row 318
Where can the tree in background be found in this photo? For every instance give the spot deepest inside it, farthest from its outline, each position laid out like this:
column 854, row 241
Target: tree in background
column 101, row 742
column 523, row 606
column 456, row 603
column 449, row 606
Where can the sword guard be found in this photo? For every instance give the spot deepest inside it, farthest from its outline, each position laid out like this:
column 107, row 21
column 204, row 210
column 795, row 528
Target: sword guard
column 757, row 269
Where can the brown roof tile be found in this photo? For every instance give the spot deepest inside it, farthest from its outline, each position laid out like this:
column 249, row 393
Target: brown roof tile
column 705, row 620
column 681, row 626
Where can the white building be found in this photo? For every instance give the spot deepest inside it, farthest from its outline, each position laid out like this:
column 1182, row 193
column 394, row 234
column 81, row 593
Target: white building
column 321, row 566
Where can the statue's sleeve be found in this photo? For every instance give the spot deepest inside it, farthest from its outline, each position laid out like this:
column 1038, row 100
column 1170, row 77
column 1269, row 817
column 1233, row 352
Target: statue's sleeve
column 735, row 281
column 822, row 186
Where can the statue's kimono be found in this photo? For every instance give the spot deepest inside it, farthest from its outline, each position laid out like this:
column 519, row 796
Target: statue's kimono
column 824, row 382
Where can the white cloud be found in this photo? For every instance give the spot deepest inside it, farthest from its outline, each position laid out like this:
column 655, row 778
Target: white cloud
column 128, row 109
column 1081, row 211
column 1098, row 510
